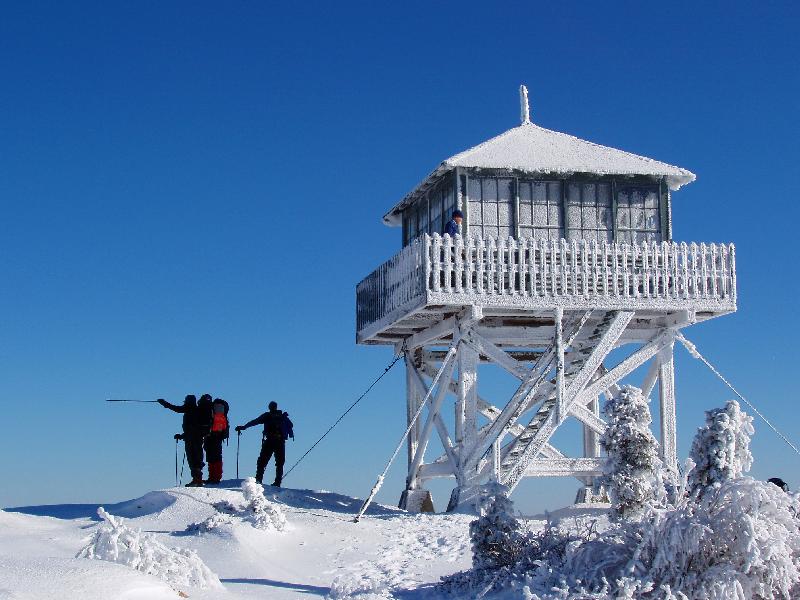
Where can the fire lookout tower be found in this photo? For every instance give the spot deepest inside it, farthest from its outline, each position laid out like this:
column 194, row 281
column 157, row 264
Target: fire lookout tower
column 565, row 253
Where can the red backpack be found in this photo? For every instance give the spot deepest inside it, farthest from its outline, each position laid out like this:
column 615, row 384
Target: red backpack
column 219, row 419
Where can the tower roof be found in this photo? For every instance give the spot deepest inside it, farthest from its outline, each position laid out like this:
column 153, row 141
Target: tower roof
column 536, row 150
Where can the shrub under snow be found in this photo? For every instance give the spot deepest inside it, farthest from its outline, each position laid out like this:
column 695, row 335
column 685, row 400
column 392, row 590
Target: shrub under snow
column 116, row 542
column 735, row 538
column 256, row 510
column 633, row 472
column 721, row 448
column 497, row 538
column 259, row 511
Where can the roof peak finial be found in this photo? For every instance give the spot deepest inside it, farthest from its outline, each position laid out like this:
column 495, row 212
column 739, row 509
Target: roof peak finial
column 524, row 107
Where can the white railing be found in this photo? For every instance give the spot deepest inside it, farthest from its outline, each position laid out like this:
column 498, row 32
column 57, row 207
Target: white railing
column 560, row 268
column 551, row 272
column 392, row 285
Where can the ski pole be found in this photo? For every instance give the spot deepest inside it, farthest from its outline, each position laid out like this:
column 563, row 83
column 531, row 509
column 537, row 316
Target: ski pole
column 238, row 439
column 117, row 400
column 182, row 462
column 176, row 463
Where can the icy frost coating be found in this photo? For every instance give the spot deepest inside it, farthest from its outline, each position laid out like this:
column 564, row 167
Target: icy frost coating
column 633, row 473
column 736, row 539
column 116, row 542
column 721, row 448
column 259, row 511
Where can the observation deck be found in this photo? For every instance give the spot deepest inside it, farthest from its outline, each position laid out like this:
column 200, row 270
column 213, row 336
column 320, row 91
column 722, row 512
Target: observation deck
column 518, row 283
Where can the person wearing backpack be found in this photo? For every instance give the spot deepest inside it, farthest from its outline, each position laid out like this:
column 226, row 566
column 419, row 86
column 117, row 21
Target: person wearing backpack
column 212, row 443
column 195, row 422
column 277, row 429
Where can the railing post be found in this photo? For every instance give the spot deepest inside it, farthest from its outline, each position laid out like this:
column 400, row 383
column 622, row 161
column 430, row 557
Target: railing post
column 732, row 267
column 502, row 266
column 704, row 267
column 522, row 265
column 481, row 255
column 458, row 248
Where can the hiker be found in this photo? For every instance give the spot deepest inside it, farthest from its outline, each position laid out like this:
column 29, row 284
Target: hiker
column 453, row 226
column 779, row 482
column 220, row 430
column 196, row 425
column 277, row 428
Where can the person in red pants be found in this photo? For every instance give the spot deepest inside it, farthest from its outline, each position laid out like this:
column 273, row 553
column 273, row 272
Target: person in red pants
column 220, row 430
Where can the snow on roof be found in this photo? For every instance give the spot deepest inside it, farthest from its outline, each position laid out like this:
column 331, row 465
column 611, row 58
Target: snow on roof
column 533, row 149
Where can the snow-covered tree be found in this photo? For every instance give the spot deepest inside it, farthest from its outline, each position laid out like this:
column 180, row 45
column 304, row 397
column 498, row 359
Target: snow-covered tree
column 116, row 542
column 721, row 448
column 633, row 472
column 497, row 536
column 261, row 513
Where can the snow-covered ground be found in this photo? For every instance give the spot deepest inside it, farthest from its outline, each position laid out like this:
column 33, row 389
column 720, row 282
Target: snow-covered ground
column 320, row 553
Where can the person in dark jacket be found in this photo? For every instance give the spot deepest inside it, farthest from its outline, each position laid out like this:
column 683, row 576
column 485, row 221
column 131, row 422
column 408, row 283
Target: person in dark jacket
column 196, row 425
column 779, row 482
column 453, row 226
column 277, row 428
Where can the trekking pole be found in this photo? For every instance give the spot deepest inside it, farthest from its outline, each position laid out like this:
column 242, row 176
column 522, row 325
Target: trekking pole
column 182, row 463
column 176, row 463
column 238, row 439
column 117, row 400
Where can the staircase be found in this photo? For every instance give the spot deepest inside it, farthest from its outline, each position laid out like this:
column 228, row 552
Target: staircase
column 544, row 423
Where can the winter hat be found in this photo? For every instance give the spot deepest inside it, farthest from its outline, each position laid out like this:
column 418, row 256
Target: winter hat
column 273, row 405
column 190, row 399
column 458, row 213
column 779, row 482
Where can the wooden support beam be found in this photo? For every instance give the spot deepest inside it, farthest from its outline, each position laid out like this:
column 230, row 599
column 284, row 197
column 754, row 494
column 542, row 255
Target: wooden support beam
column 560, row 389
column 561, row 467
column 592, row 424
column 441, row 429
column 468, row 392
column 430, row 421
column 442, row 329
column 497, row 355
column 413, row 400
column 651, row 379
column 522, row 399
column 608, row 338
column 666, row 386
column 630, row 364
column 591, row 435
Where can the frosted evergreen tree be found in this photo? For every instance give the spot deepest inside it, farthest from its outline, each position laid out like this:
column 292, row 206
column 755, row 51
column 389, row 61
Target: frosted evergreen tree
column 497, row 536
column 633, row 472
column 721, row 448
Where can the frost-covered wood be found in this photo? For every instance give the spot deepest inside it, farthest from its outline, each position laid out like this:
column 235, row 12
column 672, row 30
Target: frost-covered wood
column 531, row 274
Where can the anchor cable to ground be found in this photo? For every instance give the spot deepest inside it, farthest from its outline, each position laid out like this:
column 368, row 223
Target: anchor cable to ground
column 351, row 407
column 450, row 353
column 696, row 354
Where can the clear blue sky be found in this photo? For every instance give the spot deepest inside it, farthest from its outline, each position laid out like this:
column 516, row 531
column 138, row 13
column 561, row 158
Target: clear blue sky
column 191, row 191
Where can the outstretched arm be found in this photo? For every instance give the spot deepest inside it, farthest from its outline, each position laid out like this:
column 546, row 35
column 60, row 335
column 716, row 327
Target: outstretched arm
column 173, row 407
column 257, row 421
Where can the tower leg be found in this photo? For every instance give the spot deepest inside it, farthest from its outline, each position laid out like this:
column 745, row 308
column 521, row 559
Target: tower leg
column 591, row 449
column 666, row 384
column 413, row 400
column 467, row 416
column 413, row 498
